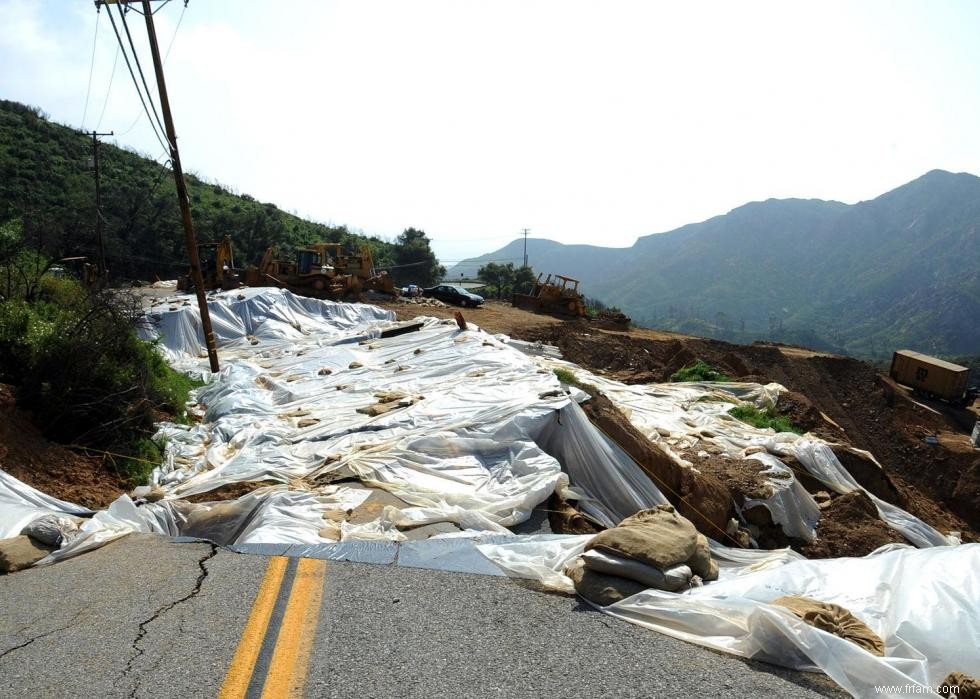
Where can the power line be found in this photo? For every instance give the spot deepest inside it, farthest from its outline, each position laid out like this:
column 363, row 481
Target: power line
column 91, row 68
column 108, row 90
column 135, row 83
column 139, row 68
column 139, row 115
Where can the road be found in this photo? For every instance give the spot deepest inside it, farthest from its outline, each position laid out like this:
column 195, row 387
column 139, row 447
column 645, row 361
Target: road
column 146, row 616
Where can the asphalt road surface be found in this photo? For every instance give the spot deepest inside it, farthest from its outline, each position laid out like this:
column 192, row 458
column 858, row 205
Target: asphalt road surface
column 149, row 617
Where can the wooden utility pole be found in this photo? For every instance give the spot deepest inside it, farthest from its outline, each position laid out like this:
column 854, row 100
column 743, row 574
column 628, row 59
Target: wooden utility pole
column 185, row 206
column 102, row 270
column 183, row 199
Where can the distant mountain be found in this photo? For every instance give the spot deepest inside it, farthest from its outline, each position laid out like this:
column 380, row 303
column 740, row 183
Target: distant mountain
column 901, row 270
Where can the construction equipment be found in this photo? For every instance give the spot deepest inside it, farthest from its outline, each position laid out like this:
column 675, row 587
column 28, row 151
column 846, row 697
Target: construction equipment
column 322, row 271
column 217, row 267
column 83, row 270
column 555, row 294
column 929, row 375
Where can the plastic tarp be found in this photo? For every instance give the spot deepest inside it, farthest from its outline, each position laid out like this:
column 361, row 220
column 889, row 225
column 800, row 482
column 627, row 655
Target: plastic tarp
column 692, row 417
column 273, row 514
column 20, row 504
column 613, row 486
column 922, row 602
column 243, row 316
column 310, row 393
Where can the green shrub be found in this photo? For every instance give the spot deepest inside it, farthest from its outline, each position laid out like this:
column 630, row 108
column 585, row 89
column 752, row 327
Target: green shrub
column 700, row 371
column 144, row 456
column 748, row 413
column 78, row 365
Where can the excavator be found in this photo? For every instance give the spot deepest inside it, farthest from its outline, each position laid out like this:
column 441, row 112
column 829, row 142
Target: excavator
column 554, row 294
column 322, row 271
column 217, row 267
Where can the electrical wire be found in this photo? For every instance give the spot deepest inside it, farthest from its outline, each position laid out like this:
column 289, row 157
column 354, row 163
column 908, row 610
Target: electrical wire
column 139, row 68
column 139, row 115
column 115, row 29
column 91, row 68
column 108, row 90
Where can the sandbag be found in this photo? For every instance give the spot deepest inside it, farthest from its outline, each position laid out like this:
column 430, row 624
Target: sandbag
column 659, row 537
column 671, row 580
column 834, row 619
column 960, row 686
column 21, row 552
column 701, row 563
column 599, row 588
column 51, row 529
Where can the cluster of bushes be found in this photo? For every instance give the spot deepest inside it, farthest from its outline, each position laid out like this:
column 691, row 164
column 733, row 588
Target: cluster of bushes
column 763, row 418
column 77, row 364
column 700, row 371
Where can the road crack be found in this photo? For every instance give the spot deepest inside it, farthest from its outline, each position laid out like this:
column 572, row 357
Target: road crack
column 138, row 650
column 28, row 642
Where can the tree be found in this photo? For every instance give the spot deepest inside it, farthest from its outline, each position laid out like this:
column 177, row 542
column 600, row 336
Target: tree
column 506, row 278
column 524, row 279
column 414, row 260
column 496, row 275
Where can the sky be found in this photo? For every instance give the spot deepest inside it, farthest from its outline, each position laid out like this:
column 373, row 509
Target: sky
column 585, row 122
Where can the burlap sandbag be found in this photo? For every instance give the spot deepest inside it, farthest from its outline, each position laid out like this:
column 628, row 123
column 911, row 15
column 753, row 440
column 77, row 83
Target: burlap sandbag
column 834, row 619
column 21, row 552
column 670, row 580
column 659, row 537
column 960, row 686
column 701, row 562
column 599, row 588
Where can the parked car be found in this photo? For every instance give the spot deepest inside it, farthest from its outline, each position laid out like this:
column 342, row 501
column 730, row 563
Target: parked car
column 453, row 294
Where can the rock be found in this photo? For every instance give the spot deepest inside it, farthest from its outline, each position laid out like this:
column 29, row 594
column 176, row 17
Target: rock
column 21, row 552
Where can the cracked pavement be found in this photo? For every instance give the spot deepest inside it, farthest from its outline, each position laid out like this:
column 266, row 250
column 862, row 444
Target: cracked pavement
column 149, row 617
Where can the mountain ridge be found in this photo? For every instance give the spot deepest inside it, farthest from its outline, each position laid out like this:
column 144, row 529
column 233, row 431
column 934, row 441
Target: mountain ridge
column 898, row 270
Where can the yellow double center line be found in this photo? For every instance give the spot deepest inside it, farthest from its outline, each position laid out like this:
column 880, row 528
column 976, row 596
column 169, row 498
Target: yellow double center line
column 292, row 635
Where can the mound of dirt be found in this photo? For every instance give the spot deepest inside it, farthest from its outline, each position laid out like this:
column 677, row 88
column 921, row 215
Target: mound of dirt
column 703, row 499
column 849, row 526
column 51, row 468
column 229, row 491
column 841, row 399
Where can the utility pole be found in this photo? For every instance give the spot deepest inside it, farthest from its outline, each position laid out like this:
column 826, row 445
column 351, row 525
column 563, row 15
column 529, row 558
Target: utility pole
column 102, row 271
column 525, row 246
column 183, row 199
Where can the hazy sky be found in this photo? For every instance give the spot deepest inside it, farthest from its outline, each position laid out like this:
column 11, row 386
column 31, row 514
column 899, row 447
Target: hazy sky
column 587, row 122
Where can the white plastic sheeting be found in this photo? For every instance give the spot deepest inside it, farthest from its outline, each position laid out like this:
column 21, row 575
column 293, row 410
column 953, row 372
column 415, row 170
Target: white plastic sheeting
column 921, row 602
column 679, row 420
column 20, row 504
column 267, row 515
column 239, row 317
column 285, row 406
column 613, row 485
column 821, row 463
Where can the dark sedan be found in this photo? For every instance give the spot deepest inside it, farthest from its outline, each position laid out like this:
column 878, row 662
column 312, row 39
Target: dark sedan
column 453, row 294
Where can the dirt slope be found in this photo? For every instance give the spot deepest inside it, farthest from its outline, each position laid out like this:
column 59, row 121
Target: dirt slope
column 50, row 467
column 940, row 484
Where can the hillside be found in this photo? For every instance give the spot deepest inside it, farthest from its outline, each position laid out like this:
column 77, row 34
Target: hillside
column 901, row 270
column 45, row 180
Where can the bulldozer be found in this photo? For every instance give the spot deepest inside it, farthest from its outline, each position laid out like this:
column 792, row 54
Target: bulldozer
column 555, row 294
column 217, row 267
column 322, row 271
